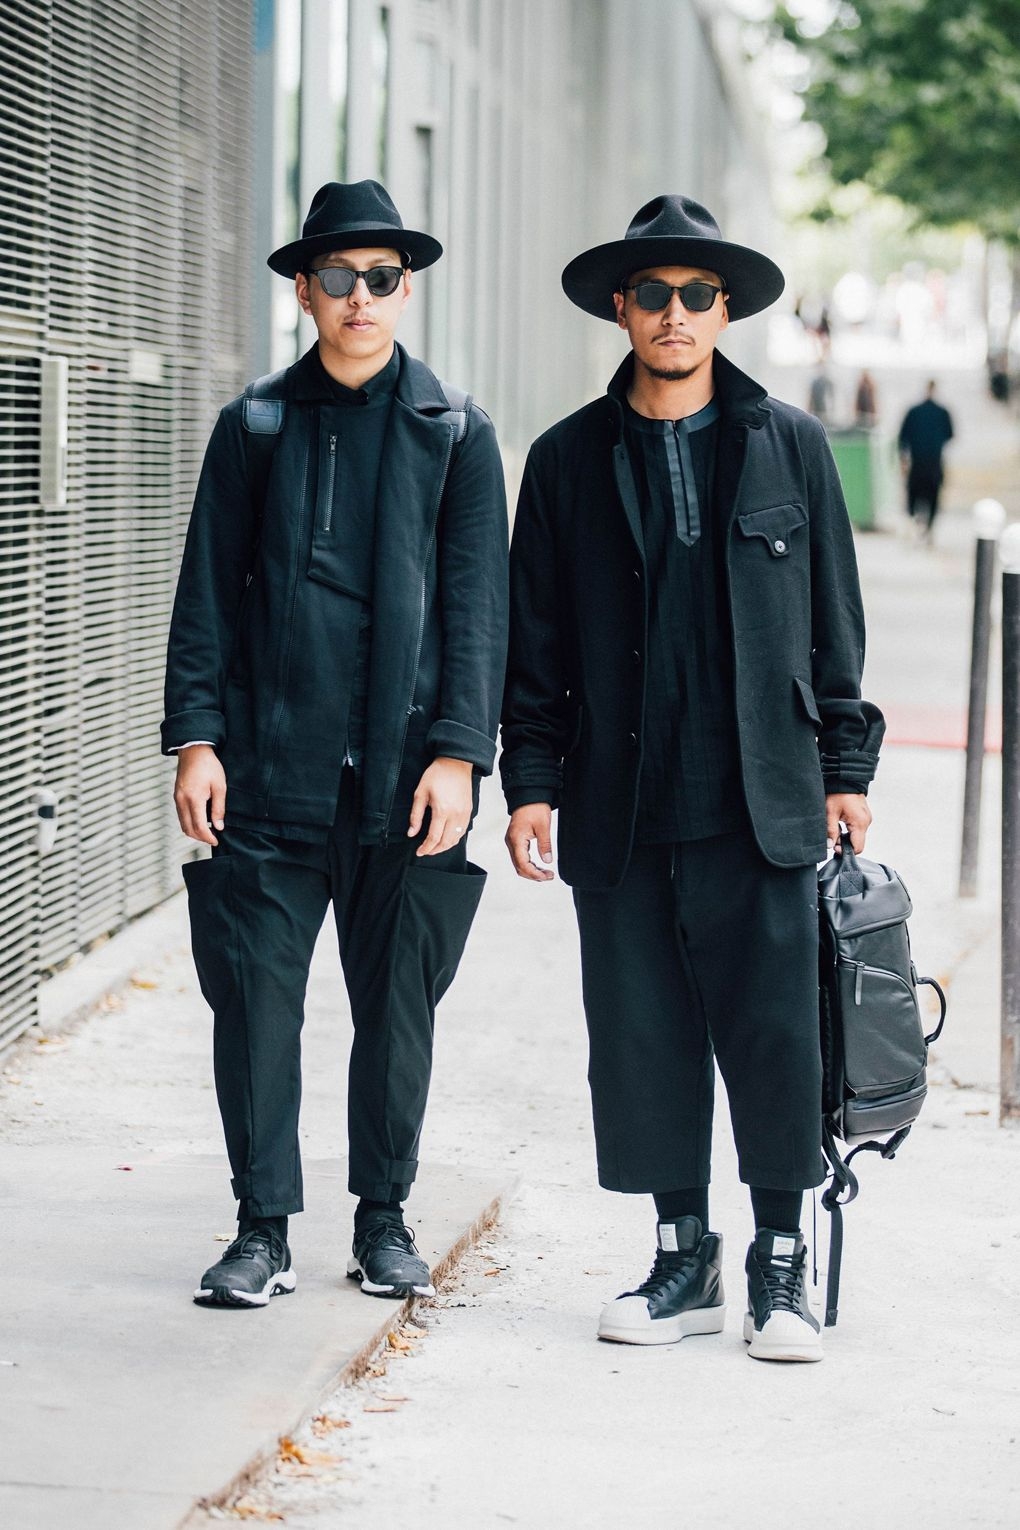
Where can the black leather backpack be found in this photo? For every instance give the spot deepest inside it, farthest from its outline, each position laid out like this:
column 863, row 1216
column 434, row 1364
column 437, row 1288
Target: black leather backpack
column 874, row 1049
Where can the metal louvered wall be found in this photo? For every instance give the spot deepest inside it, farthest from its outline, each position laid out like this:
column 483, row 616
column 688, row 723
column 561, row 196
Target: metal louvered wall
column 125, row 213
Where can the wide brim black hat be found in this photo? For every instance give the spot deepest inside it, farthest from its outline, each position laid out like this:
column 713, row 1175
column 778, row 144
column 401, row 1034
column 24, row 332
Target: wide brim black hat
column 673, row 231
column 353, row 216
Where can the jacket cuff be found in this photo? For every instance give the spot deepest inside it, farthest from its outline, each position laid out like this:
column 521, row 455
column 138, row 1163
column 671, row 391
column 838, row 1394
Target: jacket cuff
column 459, row 742
column 521, row 796
column 857, row 765
column 859, row 788
column 181, row 727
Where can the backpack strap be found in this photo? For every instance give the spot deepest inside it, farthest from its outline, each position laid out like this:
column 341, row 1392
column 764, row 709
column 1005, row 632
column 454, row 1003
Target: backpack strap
column 262, row 414
column 844, row 1179
column 458, row 407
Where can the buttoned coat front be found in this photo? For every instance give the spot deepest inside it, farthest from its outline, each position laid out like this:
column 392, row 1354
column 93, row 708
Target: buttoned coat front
column 573, row 711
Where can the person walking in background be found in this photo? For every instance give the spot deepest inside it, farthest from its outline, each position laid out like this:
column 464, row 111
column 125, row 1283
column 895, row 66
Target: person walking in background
column 334, row 674
column 926, row 429
column 866, row 402
column 683, row 684
column 820, row 395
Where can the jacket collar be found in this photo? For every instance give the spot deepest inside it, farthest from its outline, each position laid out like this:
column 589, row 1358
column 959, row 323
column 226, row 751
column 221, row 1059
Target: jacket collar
column 417, row 386
column 742, row 401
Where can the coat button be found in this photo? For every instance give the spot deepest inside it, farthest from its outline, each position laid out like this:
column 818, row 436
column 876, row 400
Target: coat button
column 779, row 545
column 635, row 657
column 632, row 740
column 637, row 574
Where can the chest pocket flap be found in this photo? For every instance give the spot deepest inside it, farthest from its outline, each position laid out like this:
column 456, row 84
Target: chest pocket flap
column 775, row 525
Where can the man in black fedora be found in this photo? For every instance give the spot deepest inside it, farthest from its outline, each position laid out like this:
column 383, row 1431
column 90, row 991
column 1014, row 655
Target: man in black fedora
column 686, row 642
column 334, row 672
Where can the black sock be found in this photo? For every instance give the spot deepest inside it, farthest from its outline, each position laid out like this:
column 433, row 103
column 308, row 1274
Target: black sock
column 671, row 1205
column 277, row 1225
column 364, row 1206
column 779, row 1209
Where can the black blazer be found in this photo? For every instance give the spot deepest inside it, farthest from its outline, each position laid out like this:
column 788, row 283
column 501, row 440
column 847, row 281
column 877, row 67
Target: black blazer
column 573, row 709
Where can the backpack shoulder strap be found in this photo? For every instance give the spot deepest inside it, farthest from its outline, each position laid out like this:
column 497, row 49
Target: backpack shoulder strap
column 458, row 408
column 262, row 414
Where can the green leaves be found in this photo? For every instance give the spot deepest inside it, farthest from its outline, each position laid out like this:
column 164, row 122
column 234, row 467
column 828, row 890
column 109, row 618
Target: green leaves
column 920, row 99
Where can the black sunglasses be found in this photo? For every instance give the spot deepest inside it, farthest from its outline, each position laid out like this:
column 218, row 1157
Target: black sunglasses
column 340, row 281
column 697, row 297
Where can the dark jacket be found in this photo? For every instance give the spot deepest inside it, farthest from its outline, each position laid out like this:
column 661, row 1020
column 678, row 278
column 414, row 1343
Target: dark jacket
column 249, row 663
column 573, row 712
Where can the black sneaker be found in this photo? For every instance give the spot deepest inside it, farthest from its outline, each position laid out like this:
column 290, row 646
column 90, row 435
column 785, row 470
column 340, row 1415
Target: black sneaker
column 255, row 1267
column 682, row 1295
column 780, row 1325
column 385, row 1259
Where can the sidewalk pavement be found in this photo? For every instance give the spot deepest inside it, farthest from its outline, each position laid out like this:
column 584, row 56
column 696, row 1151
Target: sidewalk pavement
column 121, row 1403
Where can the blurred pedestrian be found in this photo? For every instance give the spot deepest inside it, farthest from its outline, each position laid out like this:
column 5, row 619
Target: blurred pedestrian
column 333, row 679
column 866, row 402
column 925, row 430
column 820, row 395
column 684, row 685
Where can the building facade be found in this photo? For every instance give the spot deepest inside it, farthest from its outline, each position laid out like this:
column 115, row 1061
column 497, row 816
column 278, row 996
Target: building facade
column 154, row 152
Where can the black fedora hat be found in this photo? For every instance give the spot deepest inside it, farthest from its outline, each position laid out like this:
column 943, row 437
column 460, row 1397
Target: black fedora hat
column 353, row 216
column 672, row 231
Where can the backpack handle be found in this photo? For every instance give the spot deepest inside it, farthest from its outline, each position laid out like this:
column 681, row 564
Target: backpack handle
column 937, row 1032
column 851, row 877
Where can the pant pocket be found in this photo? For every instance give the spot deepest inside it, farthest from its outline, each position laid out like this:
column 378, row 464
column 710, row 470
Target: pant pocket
column 213, row 927
column 440, row 906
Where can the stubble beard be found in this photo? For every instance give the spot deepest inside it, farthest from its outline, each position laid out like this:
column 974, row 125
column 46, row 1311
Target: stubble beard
column 671, row 374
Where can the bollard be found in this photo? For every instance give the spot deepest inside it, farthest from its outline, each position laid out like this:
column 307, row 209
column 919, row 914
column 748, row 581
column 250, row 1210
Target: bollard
column 989, row 519
column 1009, row 1085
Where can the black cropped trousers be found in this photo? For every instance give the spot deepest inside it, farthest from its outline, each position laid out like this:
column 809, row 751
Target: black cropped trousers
column 256, row 909
column 704, row 951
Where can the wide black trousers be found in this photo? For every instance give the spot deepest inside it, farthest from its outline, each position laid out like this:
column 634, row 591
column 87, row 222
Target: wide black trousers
column 256, row 909
column 704, row 950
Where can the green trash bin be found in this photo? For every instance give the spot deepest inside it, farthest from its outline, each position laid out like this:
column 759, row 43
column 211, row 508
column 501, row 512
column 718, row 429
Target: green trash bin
column 855, row 454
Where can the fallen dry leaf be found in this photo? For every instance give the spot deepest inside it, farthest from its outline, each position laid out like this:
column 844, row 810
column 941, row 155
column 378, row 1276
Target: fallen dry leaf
column 126, row 1168
column 290, row 1450
column 375, row 1370
column 323, row 1424
column 223, row 1237
column 137, row 982
column 243, row 1509
column 398, row 1342
column 392, row 1397
column 381, row 1408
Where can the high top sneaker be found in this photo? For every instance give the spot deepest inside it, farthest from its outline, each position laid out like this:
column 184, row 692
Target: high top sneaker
column 682, row 1295
column 780, row 1325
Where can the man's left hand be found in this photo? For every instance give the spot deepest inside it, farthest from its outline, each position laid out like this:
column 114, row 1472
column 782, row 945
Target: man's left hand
column 445, row 789
column 850, row 808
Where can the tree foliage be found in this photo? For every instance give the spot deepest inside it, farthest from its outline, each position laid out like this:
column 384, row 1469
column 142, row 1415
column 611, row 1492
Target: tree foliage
column 920, row 99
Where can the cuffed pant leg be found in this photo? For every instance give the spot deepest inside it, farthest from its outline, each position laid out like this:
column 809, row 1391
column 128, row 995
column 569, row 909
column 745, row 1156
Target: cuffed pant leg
column 256, row 908
column 650, row 1060
column 402, row 925
column 750, row 931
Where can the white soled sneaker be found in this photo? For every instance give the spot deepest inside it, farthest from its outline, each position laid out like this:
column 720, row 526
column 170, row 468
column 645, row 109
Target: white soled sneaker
column 779, row 1324
column 683, row 1293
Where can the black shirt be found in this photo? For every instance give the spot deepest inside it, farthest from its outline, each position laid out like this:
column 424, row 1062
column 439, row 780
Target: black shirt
column 690, row 776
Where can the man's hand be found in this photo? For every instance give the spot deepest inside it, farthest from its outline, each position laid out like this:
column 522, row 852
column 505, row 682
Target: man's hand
column 200, row 792
column 445, row 789
column 852, row 809
column 531, row 823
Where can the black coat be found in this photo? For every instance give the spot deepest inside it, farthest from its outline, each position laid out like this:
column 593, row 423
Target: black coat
column 573, row 712
column 249, row 664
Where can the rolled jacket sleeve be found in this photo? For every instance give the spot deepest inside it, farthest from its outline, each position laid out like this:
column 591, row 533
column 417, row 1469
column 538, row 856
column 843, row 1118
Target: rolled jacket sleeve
column 535, row 697
column 851, row 728
column 214, row 571
column 472, row 556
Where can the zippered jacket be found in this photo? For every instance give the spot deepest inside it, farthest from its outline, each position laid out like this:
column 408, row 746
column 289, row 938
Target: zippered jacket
column 574, row 708
column 251, row 660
